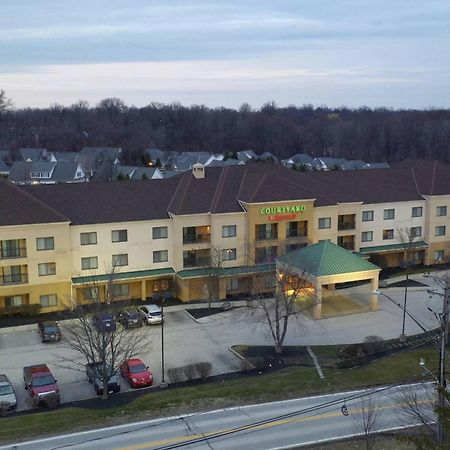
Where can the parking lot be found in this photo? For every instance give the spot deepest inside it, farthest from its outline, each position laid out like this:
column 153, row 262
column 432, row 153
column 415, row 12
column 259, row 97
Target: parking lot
column 209, row 339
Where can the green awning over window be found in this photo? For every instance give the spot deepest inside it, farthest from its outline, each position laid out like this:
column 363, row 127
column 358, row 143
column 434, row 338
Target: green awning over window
column 123, row 276
column 394, row 247
column 226, row 271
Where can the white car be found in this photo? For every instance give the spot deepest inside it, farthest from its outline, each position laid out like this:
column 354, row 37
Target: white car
column 151, row 314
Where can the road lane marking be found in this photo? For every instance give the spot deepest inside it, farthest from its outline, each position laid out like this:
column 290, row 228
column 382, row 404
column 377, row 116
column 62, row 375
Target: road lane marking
column 217, row 433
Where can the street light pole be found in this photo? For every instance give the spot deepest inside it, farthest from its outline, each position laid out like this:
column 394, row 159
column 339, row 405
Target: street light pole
column 403, row 336
column 163, row 380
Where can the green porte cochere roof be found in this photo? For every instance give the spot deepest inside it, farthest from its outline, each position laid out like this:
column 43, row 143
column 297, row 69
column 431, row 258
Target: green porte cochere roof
column 122, row 276
column 326, row 258
column 393, row 247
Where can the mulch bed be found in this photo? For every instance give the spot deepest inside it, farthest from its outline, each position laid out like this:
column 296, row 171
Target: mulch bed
column 198, row 313
column 404, row 283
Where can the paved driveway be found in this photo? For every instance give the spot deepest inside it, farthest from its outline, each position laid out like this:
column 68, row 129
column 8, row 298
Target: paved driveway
column 209, row 339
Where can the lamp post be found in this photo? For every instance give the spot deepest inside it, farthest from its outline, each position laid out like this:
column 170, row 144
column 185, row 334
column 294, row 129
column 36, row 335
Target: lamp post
column 403, row 335
column 163, row 383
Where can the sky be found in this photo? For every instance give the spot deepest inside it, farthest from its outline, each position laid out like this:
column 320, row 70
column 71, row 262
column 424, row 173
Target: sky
column 392, row 53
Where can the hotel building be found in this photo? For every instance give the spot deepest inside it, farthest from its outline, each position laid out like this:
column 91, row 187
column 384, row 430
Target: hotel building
column 60, row 243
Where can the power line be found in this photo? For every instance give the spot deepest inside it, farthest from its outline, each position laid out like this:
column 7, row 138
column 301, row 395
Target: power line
column 375, row 392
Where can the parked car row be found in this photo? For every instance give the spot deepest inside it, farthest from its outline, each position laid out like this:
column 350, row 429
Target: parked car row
column 43, row 387
column 49, row 331
column 128, row 318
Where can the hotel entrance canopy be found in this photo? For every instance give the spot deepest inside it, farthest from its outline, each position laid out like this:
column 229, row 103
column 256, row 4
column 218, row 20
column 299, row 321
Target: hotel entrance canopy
column 326, row 263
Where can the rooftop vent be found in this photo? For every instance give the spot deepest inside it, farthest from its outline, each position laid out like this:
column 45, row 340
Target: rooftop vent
column 198, row 170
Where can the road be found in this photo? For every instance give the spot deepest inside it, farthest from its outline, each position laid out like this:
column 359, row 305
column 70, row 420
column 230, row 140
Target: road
column 285, row 424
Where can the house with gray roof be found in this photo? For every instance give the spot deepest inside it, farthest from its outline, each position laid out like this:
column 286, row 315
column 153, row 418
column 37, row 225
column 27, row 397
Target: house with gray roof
column 44, row 172
column 225, row 162
column 327, row 163
column 267, row 156
column 63, row 156
column 186, row 160
column 299, row 159
column 353, row 164
column 32, row 154
column 136, row 173
column 381, row 165
column 247, row 155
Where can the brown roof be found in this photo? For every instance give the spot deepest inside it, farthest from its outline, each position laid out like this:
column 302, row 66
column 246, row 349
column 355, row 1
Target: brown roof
column 17, row 207
column 220, row 192
column 432, row 177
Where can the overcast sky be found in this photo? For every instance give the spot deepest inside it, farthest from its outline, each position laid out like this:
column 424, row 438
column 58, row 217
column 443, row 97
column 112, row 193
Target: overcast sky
column 223, row 53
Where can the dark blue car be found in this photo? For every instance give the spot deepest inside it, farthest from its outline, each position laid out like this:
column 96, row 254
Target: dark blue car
column 104, row 322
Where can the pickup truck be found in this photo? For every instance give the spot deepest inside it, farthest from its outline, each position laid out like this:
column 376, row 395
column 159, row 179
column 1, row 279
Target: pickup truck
column 93, row 372
column 41, row 385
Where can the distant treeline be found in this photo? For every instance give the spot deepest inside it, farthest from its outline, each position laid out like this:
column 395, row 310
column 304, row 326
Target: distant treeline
column 369, row 134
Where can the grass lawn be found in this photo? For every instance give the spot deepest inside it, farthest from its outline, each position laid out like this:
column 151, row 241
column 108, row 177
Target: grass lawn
column 287, row 383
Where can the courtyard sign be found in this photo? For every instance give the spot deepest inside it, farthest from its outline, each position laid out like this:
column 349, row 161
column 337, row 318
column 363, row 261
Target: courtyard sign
column 282, row 209
column 278, row 213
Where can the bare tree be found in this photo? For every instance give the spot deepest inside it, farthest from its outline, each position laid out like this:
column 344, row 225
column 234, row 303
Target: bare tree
column 407, row 236
column 103, row 347
column 293, row 295
column 211, row 275
column 419, row 405
column 367, row 421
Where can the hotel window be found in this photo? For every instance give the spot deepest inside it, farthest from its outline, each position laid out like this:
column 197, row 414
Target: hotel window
column 388, row 234
column 12, row 248
column 367, row 216
column 266, row 231
column 440, row 230
column 119, row 291
column 45, row 243
column 367, row 236
column 439, row 255
column 324, row 222
column 416, row 231
column 90, row 262
column 229, row 231
column 45, row 269
column 265, row 254
column 297, row 229
column 232, row 284
column 159, row 232
column 88, row 238
column 48, row 300
column 91, row 293
column 119, row 235
column 160, row 256
column 229, row 254
column 120, row 260
column 389, row 214
column 416, row 211
column 441, row 211
column 13, row 301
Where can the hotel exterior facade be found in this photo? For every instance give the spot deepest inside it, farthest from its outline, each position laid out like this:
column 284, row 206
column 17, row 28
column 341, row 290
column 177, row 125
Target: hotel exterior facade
column 60, row 245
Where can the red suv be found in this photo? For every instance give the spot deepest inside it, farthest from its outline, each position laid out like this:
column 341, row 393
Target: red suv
column 41, row 385
column 136, row 373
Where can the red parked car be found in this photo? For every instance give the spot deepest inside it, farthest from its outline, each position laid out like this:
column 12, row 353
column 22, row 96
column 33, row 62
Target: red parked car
column 136, row 373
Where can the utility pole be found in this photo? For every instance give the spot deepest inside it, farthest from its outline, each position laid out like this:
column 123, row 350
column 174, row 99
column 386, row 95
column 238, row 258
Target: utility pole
column 442, row 382
column 444, row 337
